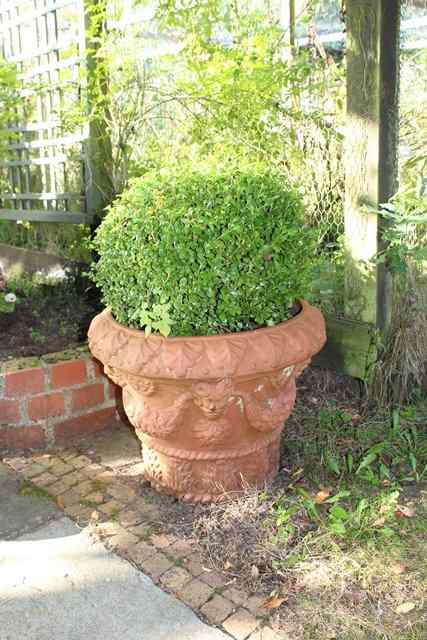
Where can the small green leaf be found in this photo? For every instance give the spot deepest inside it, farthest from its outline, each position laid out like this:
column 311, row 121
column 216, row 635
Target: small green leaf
column 338, row 513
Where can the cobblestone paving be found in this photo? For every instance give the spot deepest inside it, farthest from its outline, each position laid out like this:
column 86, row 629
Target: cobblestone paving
column 99, row 484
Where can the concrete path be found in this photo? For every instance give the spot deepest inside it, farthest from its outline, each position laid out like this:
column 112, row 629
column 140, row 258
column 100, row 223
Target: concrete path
column 57, row 583
column 21, row 513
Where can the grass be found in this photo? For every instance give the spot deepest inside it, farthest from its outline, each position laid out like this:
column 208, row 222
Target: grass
column 342, row 534
column 29, row 489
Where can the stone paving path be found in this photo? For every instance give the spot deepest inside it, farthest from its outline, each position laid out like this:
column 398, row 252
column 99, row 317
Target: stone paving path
column 102, row 491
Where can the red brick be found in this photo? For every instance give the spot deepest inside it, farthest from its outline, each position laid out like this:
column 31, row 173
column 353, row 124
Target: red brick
column 98, row 368
column 22, row 438
column 9, row 412
column 24, row 382
column 113, row 390
column 88, row 396
column 89, row 423
column 46, row 406
column 67, row 374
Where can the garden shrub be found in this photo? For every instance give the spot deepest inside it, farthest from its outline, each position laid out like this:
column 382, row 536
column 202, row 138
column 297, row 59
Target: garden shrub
column 201, row 252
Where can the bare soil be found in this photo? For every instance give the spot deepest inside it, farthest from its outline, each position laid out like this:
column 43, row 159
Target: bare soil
column 48, row 317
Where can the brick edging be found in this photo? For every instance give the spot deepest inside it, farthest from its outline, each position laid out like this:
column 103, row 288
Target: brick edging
column 52, row 400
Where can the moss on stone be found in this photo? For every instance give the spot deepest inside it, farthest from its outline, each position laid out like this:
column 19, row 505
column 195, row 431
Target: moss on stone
column 17, row 364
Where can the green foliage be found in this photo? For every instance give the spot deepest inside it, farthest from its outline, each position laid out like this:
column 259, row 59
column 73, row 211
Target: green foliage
column 5, row 306
column 70, row 241
column 339, row 444
column 126, row 91
column 346, row 515
column 404, row 246
column 366, row 464
column 9, row 100
column 240, row 92
column 328, row 286
column 400, row 455
column 29, row 489
column 206, row 251
column 406, row 233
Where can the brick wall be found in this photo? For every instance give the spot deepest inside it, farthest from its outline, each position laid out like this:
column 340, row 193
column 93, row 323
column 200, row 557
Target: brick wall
column 54, row 400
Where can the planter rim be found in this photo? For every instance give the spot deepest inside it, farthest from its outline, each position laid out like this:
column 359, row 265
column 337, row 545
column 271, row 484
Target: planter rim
column 302, row 313
column 244, row 354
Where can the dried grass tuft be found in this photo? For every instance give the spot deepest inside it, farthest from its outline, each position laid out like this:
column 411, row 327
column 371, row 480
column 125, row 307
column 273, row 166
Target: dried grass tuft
column 402, row 366
column 238, row 536
column 233, row 535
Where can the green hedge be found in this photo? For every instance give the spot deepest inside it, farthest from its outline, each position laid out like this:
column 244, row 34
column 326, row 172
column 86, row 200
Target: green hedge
column 202, row 252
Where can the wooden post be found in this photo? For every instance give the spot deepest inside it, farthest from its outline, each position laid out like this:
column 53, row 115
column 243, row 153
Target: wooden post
column 389, row 143
column 371, row 151
column 99, row 184
column 287, row 20
column 292, row 18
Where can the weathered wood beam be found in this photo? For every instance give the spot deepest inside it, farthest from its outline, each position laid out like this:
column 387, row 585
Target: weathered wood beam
column 350, row 348
column 389, row 143
column 45, row 215
column 59, row 159
column 371, row 151
column 69, row 195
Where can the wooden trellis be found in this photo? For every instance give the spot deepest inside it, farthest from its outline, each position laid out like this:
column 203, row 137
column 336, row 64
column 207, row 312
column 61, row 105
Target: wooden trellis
column 45, row 176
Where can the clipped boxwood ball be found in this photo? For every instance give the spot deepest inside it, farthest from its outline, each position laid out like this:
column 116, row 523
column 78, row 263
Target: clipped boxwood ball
column 202, row 252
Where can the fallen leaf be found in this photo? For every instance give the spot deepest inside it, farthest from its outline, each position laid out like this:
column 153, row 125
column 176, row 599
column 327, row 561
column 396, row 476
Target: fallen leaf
column 60, row 502
column 254, row 571
column 399, row 568
column 405, row 607
column 404, row 512
column 273, row 603
column 228, row 565
column 321, row 496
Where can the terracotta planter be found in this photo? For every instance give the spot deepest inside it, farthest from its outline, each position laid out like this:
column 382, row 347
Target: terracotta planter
column 209, row 411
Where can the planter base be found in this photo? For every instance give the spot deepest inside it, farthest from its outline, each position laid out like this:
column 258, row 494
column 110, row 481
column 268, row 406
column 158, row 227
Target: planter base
column 209, row 411
column 210, row 480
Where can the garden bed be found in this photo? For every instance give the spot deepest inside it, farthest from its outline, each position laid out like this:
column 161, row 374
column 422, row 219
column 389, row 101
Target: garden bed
column 51, row 389
column 48, row 316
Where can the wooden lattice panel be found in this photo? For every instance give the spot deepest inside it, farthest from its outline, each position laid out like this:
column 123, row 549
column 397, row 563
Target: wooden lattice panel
column 43, row 177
